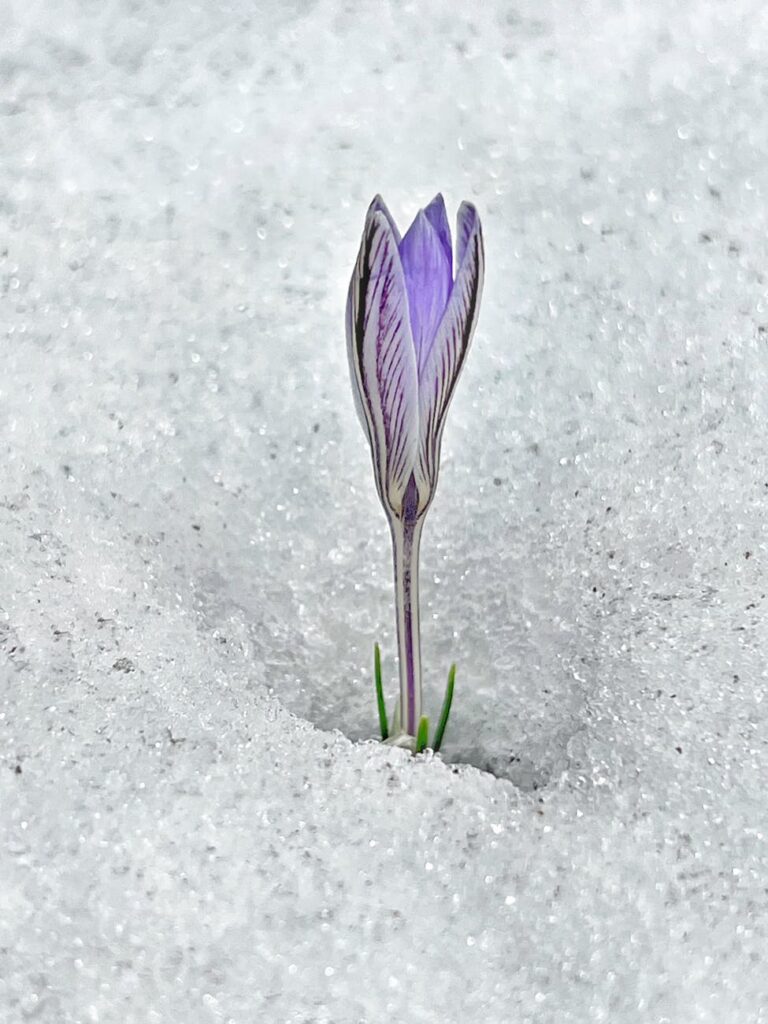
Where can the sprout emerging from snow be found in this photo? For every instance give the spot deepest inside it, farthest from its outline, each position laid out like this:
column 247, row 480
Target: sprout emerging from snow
column 409, row 325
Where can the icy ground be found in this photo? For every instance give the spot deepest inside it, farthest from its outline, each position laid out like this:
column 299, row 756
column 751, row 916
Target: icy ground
column 194, row 565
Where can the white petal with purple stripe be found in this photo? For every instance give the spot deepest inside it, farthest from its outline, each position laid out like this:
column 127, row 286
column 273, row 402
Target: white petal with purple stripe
column 382, row 358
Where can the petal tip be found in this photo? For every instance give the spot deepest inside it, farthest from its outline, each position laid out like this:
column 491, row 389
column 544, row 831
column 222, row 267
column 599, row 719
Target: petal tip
column 468, row 212
column 467, row 224
column 377, row 205
column 437, row 203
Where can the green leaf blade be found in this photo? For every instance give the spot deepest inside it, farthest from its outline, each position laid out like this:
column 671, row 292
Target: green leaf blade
column 383, row 724
column 422, row 734
column 446, row 709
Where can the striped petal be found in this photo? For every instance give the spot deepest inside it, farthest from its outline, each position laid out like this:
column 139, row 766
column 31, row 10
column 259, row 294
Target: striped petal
column 382, row 359
column 441, row 365
column 378, row 205
column 466, row 221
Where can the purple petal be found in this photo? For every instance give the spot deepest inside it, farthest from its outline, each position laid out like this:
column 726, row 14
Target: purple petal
column 438, row 218
column 382, row 360
column 440, row 368
column 427, row 272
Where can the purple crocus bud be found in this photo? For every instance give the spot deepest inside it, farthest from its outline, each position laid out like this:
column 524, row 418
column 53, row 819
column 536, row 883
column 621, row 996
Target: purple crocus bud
column 409, row 325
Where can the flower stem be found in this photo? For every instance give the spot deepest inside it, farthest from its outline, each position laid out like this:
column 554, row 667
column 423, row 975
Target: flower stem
column 406, row 539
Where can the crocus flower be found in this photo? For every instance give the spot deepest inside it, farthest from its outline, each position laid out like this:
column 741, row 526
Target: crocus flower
column 409, row 325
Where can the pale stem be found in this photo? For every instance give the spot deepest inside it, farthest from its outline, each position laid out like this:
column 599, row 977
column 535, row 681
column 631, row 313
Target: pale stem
column 406, row 538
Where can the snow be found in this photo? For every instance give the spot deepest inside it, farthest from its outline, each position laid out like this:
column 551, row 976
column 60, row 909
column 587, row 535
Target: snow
column 195, row 826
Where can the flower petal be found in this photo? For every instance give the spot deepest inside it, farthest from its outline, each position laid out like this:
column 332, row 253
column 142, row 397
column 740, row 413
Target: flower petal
column 379, row 206
column 466, row 219
column 443, row 362
column 382, row 359
column 427, row 272
column 438, row 218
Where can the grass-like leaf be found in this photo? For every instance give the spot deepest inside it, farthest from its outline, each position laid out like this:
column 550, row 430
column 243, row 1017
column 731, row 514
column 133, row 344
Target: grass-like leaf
column 445, row 710
column 380, row 692
column 422, row 735
column 395, row 728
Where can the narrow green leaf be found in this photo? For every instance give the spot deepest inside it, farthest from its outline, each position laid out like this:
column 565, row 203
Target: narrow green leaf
column 422, row 735
column 445, row 710
column 380, row 692
column 395, row 719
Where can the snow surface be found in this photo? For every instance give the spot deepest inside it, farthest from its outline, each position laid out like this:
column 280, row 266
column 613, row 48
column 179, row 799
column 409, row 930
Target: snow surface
column 194, row 565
